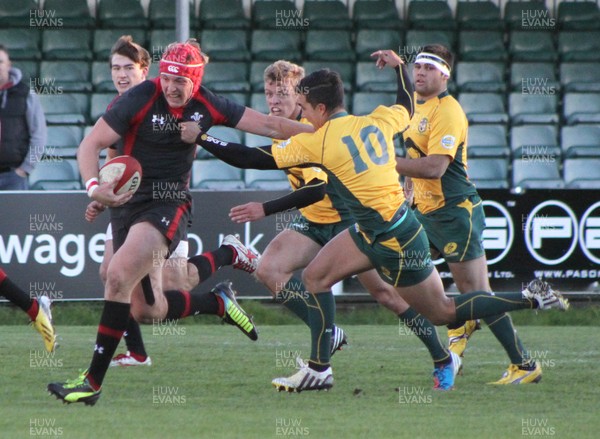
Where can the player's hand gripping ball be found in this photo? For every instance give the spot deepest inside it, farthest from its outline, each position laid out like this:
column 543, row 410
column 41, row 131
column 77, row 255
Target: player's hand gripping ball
column 126, row 169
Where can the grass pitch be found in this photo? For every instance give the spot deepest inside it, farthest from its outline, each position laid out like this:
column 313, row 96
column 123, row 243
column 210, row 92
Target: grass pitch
column 209, row 381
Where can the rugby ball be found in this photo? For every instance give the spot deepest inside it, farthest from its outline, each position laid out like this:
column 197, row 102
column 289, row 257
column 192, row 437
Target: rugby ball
column 126, row 169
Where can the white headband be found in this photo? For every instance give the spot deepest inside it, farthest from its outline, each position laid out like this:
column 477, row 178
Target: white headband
column 434, row 60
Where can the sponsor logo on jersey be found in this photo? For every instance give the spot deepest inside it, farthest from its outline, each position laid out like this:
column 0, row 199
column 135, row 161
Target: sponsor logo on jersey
column 450, row 248
column 448, row 142
column 283, row 144
column 423, row 125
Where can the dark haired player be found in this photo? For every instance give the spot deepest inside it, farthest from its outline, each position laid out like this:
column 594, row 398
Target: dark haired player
column 448, row 204
column 146, row 229
column 359, row 157
column 38, row 309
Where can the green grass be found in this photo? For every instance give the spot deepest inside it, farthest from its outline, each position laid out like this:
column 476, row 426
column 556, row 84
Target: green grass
column 222, row 385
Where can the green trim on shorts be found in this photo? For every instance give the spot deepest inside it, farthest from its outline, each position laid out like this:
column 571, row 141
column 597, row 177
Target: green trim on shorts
column 401, row 269
column 456, row 231
column 320, row 233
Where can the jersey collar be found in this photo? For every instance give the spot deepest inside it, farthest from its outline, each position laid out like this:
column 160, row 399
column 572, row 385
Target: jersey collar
column 340, row 114
column 440, row 96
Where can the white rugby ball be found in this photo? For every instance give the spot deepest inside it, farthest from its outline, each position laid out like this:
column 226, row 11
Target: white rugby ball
column 126, row 169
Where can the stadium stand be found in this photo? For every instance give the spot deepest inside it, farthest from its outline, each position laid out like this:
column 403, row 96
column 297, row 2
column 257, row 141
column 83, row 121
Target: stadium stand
column 222, row 14
column 537, row 173
column 125, row 14
column 478, row 15
column 487, row 141
column 332, row 14
column 535, row 141
column 216, row 175
column 580, row 141
column 488, row 173
column 582, row 173
column 273, row 44
column 376, row 14
column 480, row 77
column 430, row 14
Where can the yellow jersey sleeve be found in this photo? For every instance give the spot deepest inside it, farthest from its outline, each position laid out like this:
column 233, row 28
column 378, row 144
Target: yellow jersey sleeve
column 298, row 150
column 448, row 129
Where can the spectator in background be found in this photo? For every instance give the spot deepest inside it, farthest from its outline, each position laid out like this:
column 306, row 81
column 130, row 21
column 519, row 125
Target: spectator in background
column 22, row 127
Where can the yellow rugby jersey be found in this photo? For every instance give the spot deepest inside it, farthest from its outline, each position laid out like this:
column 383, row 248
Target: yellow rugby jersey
column 330, row 209
column 358, row 155
column 439, row 126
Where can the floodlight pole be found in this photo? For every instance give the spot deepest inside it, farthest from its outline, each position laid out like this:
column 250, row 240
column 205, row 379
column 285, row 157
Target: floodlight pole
column 182, row 20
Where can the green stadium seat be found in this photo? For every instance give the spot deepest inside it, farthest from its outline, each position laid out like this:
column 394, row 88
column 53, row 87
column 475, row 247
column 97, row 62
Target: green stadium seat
column 365, row 102
column 531, row 46
column 104, row 39
column 534, row 142
column 272, row 180
column 582, row 173
column 528, row 15
column 216, row 175
column 482, row 45
column 430, row 14
column 480, row 77
column 478, row 15
column 22, row 44
column 370, row 78
column 17, row 14
column 101, row 77
column 533, row 77
column 488, row 173
column 259, row 103
column 271, row 45
column 257, row 72
column 29, row 69
column 376, row 14
column 578, row 15
column 345, row 69
column 59, row 172
column 224, row 133
column 161, row 14
column 99, row 102
column 533, row 108
column 580, row 141
column 121, row 14
column 227, row 76
column 159, row 40
column 73, row 13
column 330, row 45
column 64, row 136
column 416, row 38
column 238, row 98
column 226, row 44
column 68, row 77
column 370, row 40
column 581, row 108
column 254, row 140
column 484, row 107
column 222, row 14
column 331, row 14
column 486, row 141
column 579, row 46
column 580, row 76
column 541, row 173
column 67, row 44
column 278, row 14
column 67, row 108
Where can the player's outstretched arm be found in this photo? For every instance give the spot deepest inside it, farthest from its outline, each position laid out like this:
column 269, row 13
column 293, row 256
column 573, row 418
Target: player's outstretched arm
column 274, row 127
column 405, row 93
column 234, row 154
column 308, row 194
